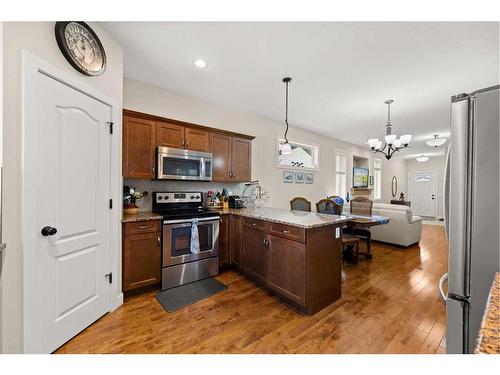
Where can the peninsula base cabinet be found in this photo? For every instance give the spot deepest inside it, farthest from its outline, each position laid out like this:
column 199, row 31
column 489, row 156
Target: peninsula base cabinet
column 293, row 263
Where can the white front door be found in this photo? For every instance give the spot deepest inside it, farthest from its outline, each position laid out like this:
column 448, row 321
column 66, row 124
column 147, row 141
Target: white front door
column 422, row 193
column 67, row 189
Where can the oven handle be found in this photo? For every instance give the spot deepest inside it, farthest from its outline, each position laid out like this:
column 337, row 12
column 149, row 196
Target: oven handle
column 189, row 221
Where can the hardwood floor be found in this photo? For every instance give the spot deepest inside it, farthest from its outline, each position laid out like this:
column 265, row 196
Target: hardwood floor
column 389, row 305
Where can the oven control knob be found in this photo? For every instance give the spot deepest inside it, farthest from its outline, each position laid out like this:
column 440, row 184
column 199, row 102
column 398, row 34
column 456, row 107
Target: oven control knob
column 197, row 197
column 166, row 197
column 160, row 198
column 192, row 197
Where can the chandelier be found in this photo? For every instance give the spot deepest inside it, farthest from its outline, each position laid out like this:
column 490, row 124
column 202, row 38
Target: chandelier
column 391, row 143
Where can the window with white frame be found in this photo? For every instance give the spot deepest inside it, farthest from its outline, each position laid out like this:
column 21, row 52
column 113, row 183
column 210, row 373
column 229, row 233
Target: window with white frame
column 377, row 176
column 340, row 174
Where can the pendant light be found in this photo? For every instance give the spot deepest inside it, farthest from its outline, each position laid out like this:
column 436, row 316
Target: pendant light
column 436, row 141
column 392, row 143
column 286, row 149
column 422, row 158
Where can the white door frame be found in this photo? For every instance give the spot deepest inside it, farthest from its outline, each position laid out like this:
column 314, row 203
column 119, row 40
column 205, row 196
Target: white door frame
column 434, row 173
column 31, row 67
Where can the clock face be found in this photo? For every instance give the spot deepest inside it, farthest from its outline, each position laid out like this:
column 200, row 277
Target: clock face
column 81, row 47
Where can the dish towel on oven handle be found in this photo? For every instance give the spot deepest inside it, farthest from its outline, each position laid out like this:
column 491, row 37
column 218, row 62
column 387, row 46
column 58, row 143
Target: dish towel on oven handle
column 195, row 239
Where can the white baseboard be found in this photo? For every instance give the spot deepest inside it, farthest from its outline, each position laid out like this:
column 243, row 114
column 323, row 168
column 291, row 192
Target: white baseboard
column 116, row 302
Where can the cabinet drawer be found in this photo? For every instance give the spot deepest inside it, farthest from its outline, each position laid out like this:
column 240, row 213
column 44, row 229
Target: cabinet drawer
column 142, row 227
column 254, row 223
column 287, row 231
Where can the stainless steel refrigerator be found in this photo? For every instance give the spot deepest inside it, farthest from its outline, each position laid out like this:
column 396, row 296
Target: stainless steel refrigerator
column 471, row 214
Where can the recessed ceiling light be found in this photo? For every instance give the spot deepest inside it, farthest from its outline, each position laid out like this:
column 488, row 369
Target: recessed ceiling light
column 199, row 63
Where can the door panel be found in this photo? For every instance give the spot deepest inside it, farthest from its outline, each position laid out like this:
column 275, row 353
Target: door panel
column 286, row 268
column 70, row 165
column 254, row 254
column 139, row 141
column 422, row 193
column 197, row 140
column 221, row 151
column 170, row 135
column 241, row 159
column 455, row 326
column 141, row 260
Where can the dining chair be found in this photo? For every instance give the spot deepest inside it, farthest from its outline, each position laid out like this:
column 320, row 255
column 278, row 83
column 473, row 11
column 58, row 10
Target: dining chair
column 300, row 204
column 362, row 206
column 326, row 206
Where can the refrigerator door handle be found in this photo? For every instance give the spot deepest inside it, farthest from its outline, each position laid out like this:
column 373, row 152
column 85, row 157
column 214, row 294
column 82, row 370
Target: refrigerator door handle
column 442, row 294
column 446, row 193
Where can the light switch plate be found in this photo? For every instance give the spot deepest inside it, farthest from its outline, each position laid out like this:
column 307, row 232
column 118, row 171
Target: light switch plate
column 337, row 232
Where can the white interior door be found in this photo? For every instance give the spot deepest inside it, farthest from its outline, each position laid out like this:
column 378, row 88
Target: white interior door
column 422, row 193
column 67, row 185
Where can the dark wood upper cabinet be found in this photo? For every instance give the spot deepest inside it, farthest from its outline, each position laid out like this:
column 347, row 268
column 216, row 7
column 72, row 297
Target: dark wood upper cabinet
column 169, row 135
column 241, row 159
column 225, row 241
column 254, row 254
column 221, row 150
column 141, row 260
column 197, row 140
column 139, row 142
column 236, row 240
column 287, row 268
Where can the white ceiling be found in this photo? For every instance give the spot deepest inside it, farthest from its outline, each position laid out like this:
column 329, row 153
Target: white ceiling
column 342, row 71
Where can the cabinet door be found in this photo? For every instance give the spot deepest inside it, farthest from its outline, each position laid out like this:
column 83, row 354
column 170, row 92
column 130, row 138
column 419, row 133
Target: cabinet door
column 224, row 241
column 254, row 260
column 286, row 268
column 141, row 260
column 236, row 240
column 221, row 149
column 139, row 141
column 241, row 159
column 197, row 140
column 170, row 135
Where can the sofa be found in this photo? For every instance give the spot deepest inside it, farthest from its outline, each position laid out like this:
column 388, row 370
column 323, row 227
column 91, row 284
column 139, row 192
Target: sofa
column 404, row 228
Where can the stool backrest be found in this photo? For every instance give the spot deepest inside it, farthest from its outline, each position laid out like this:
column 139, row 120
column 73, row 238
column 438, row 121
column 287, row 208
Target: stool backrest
column 300, row 204
column 361, row 206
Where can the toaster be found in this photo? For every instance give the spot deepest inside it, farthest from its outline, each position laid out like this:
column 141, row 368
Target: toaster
column 236, row 202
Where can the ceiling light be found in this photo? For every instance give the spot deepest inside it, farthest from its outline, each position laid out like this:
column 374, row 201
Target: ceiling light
column 436, row 142
column 199, row 63
column 392, row 142
column 422, row 158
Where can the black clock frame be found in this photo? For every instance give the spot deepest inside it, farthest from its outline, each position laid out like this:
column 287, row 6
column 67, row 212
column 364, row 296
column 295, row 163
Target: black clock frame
column 59, row 30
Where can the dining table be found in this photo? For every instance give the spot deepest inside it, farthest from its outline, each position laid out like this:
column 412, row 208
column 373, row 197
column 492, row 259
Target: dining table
column 362, row 221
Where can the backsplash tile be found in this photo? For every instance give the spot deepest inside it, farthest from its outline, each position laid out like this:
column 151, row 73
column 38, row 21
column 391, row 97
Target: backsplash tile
column 168, row 185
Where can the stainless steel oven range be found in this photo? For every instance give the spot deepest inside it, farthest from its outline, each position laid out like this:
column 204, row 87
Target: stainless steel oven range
column 190, row 243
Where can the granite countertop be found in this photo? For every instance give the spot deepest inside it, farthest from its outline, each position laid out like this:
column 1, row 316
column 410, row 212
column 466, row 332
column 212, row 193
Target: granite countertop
column 489, row 335
column 141, row 216
column 299, row 219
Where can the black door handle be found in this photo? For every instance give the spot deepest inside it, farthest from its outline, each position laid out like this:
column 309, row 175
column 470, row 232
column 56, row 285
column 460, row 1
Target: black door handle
column 48, row 231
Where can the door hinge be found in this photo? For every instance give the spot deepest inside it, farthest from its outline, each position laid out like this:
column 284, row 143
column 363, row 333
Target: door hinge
column 110, row 277
column 110, row 127
column 111, row 204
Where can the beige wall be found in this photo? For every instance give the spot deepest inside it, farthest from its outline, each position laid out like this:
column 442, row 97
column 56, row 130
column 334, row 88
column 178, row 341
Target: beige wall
column 38, row 38
column 146, row 98
column 391, row 168
column 435, row 163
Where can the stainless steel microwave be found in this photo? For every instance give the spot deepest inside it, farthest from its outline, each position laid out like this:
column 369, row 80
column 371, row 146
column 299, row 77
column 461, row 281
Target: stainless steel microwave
column 180, row 164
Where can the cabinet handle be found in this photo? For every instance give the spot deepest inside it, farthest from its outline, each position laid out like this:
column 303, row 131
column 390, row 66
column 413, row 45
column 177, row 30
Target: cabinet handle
column 266, row 242
column 286, row 232
column 182, row 143
column 254, row 224
column 154, row 169
column 158, row 240
column 144, row 227
column 187, row 143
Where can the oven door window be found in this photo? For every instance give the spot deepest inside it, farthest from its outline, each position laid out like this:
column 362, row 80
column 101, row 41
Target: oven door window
column 181, row 167
column 206, row 235
column 181, row 241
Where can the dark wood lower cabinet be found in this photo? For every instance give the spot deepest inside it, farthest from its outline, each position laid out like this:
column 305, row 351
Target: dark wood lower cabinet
column 254, row 260
column 236, row 240
column 141, row 260
column 287, row 268
column 225, row 241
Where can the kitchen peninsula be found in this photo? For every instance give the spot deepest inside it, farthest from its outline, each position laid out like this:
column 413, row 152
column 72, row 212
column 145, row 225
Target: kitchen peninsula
column 295, row 254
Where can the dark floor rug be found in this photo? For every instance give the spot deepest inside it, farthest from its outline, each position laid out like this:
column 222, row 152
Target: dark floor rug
column 181, row 296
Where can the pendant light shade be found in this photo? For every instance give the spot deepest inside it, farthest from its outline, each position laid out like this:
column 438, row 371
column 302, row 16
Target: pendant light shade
column 422, row 158
column 286, row 148
column 436, row 141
